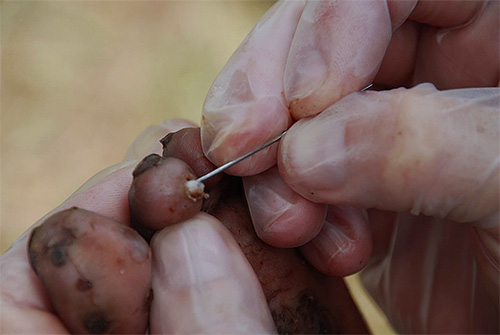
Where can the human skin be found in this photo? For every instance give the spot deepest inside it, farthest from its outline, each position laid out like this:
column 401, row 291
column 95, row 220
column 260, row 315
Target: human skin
column 301, row 299
column 156, row 177
column 397, row 156
column 26, row 307
column 96, row 272
column 210, row 273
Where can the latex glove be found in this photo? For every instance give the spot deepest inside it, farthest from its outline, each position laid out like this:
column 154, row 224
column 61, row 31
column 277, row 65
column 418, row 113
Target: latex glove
column 197, row 269
column 428, row 162
column 419, row 150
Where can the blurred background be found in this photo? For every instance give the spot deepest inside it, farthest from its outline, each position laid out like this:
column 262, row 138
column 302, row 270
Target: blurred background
column 81, row 79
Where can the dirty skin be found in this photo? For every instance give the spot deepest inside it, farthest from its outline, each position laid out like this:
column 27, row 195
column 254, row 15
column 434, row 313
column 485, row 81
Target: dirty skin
column 97, row 272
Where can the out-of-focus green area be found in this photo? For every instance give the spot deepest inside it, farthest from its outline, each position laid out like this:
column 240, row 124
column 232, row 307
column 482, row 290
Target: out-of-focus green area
column 81, row 79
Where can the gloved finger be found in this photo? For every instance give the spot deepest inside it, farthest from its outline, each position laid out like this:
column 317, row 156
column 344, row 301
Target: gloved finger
column 203, row 283
column 419, row 150
column 245, row 106
column 448, row 40
column 339, row 46
column 448, row 56
column 486, row 245
column 424, row 277
column 281, row 217
column 22, row 320
column 21, row 290
column 105, row 193
column 337, row 49
column 343, row 246
column 441, row 14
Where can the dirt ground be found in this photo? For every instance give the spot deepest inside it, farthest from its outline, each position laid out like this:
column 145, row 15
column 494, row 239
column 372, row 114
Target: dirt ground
column 80, row 80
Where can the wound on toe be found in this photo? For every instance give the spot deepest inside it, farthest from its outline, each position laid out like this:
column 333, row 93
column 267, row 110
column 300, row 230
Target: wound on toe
column 146, row 163
column 96, row 323
column 83, row 284
column 165, row 140
column 58, row 254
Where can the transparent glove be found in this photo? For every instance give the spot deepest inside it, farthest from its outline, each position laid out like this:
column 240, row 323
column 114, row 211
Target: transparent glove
column 428, row 154
column 210, row 286
column 427, row 163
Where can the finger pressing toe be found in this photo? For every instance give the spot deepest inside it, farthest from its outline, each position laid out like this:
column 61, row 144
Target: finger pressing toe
column 202, row 282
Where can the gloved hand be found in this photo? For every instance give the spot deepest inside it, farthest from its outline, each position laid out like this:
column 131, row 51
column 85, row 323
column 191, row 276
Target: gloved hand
column 210, row 286
column 422, row 160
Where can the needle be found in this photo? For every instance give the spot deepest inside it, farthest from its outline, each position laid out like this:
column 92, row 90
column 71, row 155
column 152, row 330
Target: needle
column 195, row 188
column 366, row 87
column 237, row 160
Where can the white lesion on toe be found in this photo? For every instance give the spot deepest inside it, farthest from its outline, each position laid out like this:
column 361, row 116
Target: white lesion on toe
column 195, row 190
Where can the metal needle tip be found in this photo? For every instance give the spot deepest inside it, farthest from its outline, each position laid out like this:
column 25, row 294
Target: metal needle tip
column 366, row 87
column 237, row 160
